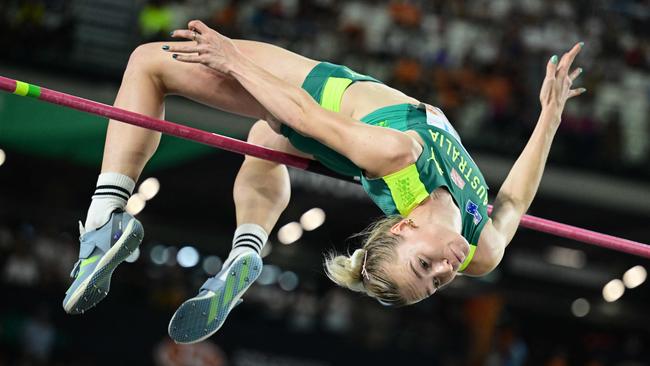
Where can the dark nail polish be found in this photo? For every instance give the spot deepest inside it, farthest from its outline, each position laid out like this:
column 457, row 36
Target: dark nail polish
column 171, row 34
column 165, row 47
column 582, row 44
column 175, row 56
column 554, row 59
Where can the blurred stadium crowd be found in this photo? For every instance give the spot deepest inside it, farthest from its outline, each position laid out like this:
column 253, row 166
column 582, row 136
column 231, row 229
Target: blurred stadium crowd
column 477, row 330
column 481, row 61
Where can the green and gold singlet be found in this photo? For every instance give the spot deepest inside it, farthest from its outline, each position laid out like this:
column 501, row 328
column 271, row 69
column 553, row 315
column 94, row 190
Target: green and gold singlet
column 444, row 162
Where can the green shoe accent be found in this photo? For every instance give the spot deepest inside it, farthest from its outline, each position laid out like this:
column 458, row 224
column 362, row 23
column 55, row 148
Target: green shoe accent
column 95, row 268
column 214, row 302
column 88, row 261
column 242, row 278
column 213, row 309
column 230, row 286
column 200, row 317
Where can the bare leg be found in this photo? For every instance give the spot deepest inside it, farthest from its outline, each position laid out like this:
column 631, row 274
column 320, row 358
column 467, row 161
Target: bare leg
column 261, row 193
column 152, row 73
column 128, row 148
column 262, row 189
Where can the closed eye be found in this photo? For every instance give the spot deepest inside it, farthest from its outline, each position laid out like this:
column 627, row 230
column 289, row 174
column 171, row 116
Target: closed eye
column 424, row 264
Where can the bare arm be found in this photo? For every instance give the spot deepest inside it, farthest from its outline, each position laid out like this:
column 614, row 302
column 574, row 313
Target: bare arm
column 378, row 151
column 518, row 190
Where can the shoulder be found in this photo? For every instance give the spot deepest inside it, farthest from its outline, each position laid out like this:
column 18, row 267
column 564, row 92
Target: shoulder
column 489, row 252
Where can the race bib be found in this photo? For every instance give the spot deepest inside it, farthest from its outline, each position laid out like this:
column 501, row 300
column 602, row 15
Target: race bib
column 436, row 118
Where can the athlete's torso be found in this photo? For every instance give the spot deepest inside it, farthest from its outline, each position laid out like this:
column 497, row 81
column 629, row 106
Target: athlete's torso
column 364, row 97
column 443, row 164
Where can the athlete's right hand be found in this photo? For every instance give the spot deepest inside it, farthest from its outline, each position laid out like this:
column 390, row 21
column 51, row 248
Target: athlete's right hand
column 556, row 89
column 212, row 49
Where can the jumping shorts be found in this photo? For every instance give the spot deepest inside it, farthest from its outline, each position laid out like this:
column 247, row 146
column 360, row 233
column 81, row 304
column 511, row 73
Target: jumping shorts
column 326, row 83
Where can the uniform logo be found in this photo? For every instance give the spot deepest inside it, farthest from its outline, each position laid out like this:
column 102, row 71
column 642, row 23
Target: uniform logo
column 457, row 179
column 472, row 209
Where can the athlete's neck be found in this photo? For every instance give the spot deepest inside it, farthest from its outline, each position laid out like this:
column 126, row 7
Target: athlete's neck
column 439, row 209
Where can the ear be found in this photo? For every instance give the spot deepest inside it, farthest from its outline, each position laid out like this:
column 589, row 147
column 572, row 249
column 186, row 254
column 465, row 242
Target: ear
column 399, row 227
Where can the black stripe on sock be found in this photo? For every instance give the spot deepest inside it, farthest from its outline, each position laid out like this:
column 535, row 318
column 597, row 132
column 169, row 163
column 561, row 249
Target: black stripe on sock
column 126, row 198
column 250, row 242
column 117, row 188
column 243, row 236
column 248, row 246
column 247, row 240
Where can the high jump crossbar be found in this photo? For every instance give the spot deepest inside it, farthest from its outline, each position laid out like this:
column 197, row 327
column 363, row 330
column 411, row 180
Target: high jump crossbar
column 245, row 148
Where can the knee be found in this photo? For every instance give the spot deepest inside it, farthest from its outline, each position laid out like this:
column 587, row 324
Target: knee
column 262, row 134
column 146, row 60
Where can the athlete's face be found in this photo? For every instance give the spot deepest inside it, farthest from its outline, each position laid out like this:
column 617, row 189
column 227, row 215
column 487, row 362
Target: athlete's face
column 428, row 258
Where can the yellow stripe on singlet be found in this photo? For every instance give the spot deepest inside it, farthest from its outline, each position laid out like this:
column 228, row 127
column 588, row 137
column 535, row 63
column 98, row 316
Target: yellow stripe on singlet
column 406, row 188
column 333, row 93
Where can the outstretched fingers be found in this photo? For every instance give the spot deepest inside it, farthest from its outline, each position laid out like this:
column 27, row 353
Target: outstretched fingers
column 576, row 92
column 551, row 67
column 574, row 75
column 568, row 58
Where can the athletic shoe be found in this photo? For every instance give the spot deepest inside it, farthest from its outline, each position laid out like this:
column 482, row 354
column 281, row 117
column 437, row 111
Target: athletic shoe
column 101, row 251
column 200, row 317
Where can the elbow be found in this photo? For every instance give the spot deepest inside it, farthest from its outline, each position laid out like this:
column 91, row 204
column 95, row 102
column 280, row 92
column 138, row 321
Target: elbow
column 507, row 200
column 306, row 110
column 404, row 151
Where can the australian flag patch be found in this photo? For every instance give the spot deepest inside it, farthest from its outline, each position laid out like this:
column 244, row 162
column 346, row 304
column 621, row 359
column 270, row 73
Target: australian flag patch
column 472, row 209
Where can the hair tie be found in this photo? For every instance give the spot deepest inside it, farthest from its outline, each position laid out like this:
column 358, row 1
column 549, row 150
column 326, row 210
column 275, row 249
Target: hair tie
column 364, row 272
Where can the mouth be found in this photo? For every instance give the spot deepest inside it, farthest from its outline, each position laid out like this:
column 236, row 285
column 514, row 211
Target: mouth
column 460, row 257
column 455, row 264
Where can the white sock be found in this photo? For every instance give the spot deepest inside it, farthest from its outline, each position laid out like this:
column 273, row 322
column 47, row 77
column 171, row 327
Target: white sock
column 247, row 238
column 112, row 192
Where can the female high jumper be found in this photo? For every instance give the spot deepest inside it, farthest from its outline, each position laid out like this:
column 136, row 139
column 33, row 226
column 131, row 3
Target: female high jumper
column 408, row 156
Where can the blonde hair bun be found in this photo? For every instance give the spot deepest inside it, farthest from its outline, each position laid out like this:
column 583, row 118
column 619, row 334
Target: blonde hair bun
column 346, row 271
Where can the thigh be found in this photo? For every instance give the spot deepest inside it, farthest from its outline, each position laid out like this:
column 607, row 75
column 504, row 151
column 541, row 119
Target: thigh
column 206, row 86
column 262, row 134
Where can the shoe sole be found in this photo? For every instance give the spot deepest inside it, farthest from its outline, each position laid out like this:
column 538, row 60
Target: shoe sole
column 200, row 317
column 95, row 288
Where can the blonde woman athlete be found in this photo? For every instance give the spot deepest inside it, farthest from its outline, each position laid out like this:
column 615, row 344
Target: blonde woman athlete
column 410, row 159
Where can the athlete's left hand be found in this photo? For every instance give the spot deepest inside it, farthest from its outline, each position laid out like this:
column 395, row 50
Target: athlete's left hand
column 212, row 49
column 557, row 86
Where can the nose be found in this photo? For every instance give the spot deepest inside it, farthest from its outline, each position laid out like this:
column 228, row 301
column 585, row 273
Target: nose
column 443, row 270
column 442, row 267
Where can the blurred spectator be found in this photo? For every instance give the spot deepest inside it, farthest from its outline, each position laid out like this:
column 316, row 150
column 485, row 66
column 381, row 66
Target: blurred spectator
column 38, row 337
column 481, row 61
column 21, row 267
column 168, row 353
column 338, row 311
column 509, row 349
column 156, row 20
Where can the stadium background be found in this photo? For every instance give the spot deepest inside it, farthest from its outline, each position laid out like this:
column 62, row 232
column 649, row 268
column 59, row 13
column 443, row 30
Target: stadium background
column 481, row 61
